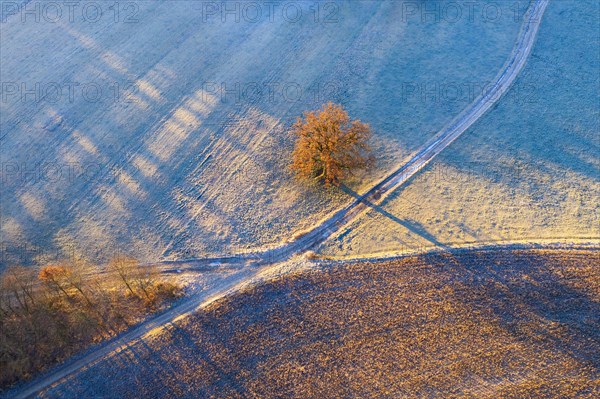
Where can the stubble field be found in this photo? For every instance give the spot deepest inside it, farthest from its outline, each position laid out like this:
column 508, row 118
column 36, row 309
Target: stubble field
column 471, row 324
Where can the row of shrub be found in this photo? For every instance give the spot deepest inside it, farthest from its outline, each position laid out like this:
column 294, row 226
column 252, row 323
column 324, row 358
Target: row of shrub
column 48, row 314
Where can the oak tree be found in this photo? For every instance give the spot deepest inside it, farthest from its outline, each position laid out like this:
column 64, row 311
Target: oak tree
column 330, row 146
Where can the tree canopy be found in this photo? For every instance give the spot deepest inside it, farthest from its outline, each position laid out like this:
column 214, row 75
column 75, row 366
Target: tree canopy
column 329, row 145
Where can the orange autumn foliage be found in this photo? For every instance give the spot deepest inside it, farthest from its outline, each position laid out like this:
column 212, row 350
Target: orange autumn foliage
column 329, row 145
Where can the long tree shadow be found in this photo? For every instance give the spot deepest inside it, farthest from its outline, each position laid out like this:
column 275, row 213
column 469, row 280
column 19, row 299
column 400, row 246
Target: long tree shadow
column 227, row 378
column 531, row 290
column 412, row 225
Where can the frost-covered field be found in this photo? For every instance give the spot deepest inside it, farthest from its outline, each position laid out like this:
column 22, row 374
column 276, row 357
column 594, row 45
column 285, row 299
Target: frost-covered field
column 528, row 170
column 159, row 128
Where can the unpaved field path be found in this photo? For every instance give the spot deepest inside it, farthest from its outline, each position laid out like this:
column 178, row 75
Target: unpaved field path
column 416, row 161
column 434, row 146
column 267, row 259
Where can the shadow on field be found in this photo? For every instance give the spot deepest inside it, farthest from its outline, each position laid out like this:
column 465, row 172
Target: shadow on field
column 536, row 305
column 411, row 225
